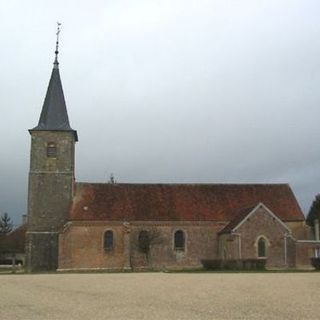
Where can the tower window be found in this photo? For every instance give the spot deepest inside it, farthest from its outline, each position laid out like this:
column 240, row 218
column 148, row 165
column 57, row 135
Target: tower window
column 179, row 240
column 51, row 150
column 108, row 240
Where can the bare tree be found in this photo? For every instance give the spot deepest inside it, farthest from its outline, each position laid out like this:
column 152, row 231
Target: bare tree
column 146, row 239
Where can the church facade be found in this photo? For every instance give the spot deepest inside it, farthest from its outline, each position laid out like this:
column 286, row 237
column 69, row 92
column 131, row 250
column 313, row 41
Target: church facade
column 118, row 226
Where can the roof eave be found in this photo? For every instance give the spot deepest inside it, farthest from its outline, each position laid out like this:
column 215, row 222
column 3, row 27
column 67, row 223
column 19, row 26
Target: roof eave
column 75, row 134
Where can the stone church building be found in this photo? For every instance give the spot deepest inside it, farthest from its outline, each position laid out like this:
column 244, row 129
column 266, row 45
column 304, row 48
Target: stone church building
column 120, row 226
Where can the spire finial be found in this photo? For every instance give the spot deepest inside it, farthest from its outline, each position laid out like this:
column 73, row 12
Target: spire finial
column 56, row 63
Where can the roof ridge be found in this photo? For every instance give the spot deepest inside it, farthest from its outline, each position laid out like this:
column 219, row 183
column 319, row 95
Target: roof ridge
column 180, row 184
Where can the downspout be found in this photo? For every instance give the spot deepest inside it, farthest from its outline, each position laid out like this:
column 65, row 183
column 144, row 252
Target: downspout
column 285, row 249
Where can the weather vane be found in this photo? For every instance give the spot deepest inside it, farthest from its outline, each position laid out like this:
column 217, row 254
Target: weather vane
column 57, row 42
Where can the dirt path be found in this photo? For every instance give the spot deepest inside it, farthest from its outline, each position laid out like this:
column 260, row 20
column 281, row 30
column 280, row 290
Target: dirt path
column 160, row 296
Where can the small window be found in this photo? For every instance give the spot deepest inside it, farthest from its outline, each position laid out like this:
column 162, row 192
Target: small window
column 262, row 252
column 108, row 240
column 179, row 240
column 51, row 150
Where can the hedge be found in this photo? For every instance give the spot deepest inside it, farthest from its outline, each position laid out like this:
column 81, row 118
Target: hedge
column 315, row 263
column 235, row 264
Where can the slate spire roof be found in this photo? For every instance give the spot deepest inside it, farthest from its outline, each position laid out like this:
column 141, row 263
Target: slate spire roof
column 54, row 115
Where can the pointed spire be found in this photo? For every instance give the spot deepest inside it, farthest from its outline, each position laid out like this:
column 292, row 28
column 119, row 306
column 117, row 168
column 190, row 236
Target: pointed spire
column 54, row 115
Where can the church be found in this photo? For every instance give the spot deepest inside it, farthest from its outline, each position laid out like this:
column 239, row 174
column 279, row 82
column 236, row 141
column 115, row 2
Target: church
column 120, row 226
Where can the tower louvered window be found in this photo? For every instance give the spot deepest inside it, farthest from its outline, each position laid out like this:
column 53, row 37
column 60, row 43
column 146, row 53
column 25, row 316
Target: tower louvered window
column 51, row 150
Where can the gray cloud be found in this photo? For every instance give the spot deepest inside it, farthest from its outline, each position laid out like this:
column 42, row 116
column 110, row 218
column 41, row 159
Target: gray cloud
column 168, row 91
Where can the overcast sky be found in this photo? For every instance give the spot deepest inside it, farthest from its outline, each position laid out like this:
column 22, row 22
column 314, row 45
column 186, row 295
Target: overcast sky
column 207, row 91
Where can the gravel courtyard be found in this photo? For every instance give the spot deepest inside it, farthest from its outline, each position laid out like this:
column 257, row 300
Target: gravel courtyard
column 160, row 296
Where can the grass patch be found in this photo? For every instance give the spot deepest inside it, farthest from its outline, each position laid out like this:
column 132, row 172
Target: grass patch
column 202, row 270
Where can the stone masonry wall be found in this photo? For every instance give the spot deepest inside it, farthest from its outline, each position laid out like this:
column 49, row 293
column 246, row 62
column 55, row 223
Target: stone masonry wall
column 51, row 182
column 300, row 230
column 81, row 245
column 41, row 251
column 261, row 223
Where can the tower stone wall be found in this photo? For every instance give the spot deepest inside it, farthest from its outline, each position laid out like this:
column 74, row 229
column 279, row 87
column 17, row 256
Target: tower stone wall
column 51, row 181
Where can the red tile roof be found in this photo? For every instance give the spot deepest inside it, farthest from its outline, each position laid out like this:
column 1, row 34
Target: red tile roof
column 238, row 217
column 178, row 202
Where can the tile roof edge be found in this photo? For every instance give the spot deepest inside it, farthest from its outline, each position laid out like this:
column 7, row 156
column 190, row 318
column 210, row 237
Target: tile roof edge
column 180, row 184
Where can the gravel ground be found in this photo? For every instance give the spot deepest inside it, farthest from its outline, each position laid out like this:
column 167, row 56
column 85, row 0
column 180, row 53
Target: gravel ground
column 160, row 296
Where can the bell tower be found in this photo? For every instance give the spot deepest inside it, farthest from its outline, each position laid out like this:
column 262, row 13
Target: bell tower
column 51, row 176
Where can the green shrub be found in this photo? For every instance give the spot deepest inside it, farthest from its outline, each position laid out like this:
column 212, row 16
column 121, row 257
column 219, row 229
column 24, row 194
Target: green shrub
column 234, row 264
column 211, row 264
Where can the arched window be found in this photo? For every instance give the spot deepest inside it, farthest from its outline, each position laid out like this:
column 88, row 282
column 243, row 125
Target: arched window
column 51, row 150
column 108, row 240
column 262, row 248
column 179, row 240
